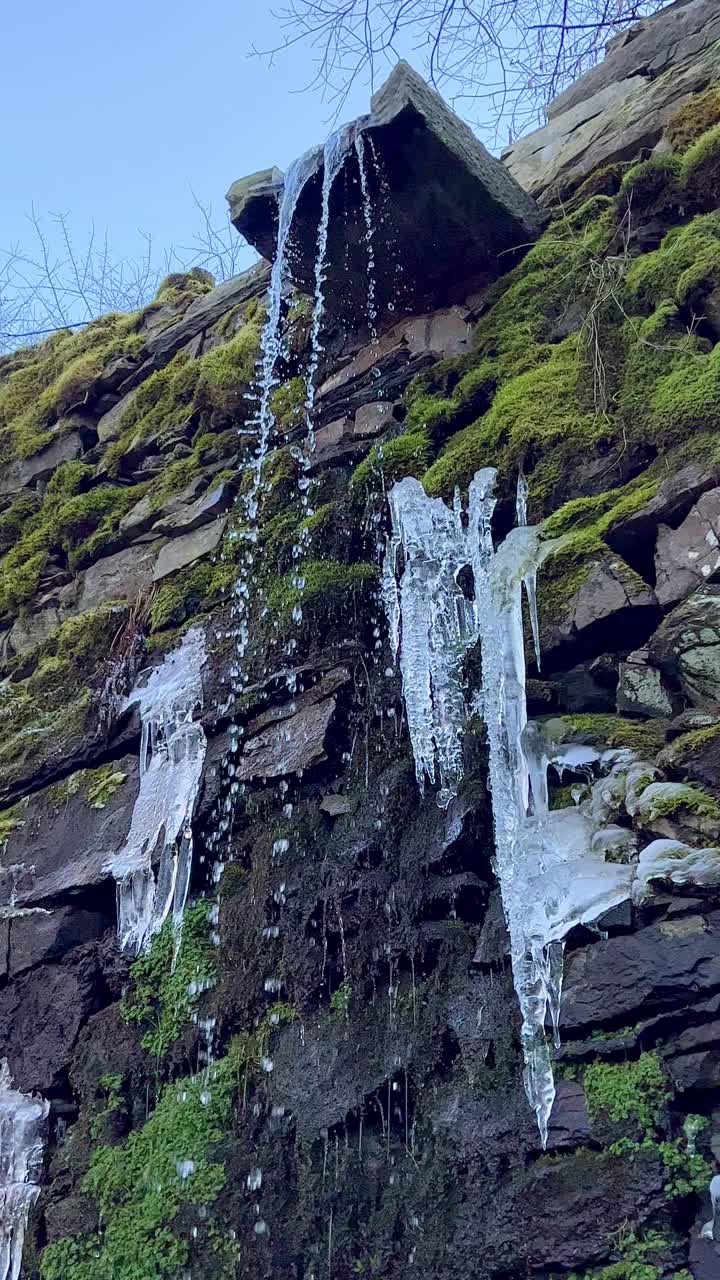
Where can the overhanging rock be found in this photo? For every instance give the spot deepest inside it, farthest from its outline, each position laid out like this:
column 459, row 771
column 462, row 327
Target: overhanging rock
column 445, row 214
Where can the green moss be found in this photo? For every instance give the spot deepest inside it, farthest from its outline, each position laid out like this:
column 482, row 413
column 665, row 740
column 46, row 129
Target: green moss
column 406, row 455
column 226, row 372
column 340, row 999
column 599, row 514
column 676, row 797
column 10, row 820
column 671, row 273
column 101, row 785
column 513, row 430
column 653, row 186
column 685, row 748
column 700, row 170
column 693, row 119
column 287, row 404
column 160, row 406
column 628, row 1091
column 171, row 1164
column 602, row 182
column 44, row 382
column 167, row 980
column 190, row 592
column 327, row 584
column 645, row 740
column 14, row 521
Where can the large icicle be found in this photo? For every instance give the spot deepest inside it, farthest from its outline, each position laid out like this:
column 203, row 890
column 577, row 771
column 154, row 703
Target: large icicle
column 172, row 753
column 437, row 626
column 22, row 1119
column 550, row 877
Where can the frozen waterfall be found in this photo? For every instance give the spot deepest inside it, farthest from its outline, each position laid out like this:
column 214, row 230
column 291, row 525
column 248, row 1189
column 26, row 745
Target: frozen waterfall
column 22, row 1119
column 550, row 877
column 172, row 754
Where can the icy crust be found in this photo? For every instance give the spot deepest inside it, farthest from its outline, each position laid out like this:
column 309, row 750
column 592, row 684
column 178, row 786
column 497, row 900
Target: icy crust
column 172, row 754
column 551, row 876
column 22, row 1119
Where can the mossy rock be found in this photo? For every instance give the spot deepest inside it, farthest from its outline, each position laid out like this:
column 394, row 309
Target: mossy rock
column 693, row 119
column 700, row 170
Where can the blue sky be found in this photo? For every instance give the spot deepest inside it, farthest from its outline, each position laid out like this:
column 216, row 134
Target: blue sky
column 114, row 112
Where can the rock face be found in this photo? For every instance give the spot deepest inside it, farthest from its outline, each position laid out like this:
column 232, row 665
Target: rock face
column 622, row 105
column 322, row 1071
column 449, row 208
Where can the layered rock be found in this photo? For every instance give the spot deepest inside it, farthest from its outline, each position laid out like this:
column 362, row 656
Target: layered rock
column 323, row 1071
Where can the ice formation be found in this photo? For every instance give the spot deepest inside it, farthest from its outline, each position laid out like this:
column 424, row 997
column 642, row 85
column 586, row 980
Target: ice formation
column 551, row 878
column 172, row 753
column 22, row 1119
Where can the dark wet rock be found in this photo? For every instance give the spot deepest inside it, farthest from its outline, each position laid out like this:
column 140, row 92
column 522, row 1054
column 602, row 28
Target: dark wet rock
column 641, row 688
column 435, row 230
column 64, row 843
column 189, row 515
column 686, row 646
column 689, row 555
column 493, row 945
column 569, row 1124
column 41, row 1013
column 288, row 739
column 44, row 937
column 568, row 1208
column 611, row 599
column 696, row 1070
column 704, row 1257
column 659, row 967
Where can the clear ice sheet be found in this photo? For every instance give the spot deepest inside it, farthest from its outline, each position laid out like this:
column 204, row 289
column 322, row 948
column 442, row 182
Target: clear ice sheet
column 172, row 754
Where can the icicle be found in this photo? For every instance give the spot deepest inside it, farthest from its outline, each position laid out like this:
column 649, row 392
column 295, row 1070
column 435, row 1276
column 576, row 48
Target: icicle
column 530, row 581
column 172, row 754
column 551, row 878
column 22, row 1119
column 436, row 622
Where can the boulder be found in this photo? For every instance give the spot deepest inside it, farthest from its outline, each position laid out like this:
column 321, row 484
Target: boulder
column 122, row 576
column 663, row 966
column 686, row 646
column 185, row 550
column 17, row 475
column 63, row 843
column 622, row 105
column 450, row 210
column 641, row 690
column 690, row 554
column 288, row 739
column 45, row 936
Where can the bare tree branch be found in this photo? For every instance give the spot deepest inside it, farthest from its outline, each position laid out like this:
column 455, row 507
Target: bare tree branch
column 511, row 56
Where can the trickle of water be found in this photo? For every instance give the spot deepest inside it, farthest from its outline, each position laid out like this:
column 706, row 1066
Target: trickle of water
column 369, row 246
column 22, row 1119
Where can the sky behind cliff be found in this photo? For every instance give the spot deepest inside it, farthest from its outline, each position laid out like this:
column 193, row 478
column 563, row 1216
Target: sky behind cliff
column 114, row 113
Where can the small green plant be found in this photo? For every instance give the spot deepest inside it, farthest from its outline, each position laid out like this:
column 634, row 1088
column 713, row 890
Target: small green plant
column 340, row 999
column 166, row 985
column 634, row 1091
column 111, row 1086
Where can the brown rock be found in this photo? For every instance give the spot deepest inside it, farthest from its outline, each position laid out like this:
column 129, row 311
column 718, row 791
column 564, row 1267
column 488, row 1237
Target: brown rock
column 122, row 576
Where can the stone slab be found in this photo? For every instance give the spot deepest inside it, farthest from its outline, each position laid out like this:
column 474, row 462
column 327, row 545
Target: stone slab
column 185, row 550
column 450, row 210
